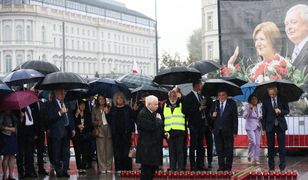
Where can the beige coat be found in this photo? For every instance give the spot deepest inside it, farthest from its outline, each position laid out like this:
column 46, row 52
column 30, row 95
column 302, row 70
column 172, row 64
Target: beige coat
column 96, row 118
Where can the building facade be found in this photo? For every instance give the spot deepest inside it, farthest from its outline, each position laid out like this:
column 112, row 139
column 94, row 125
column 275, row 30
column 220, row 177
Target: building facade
column 210, row 40
column 101, row 37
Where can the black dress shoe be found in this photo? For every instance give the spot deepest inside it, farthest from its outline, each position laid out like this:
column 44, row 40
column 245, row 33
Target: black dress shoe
column 43, row 172
column 31, row 175
column 11, row 178
column 66, row 175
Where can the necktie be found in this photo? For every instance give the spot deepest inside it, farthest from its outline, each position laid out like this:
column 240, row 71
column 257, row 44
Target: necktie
column 199, row 97
column 65, row 115
column 275, row 106
column 295, row 54
column 221, row 109
column 28, row 114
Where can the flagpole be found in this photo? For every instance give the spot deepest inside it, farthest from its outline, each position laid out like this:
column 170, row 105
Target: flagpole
column 156, row 38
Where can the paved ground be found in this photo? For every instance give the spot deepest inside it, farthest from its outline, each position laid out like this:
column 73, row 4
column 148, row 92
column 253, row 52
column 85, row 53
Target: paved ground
column 299, row 163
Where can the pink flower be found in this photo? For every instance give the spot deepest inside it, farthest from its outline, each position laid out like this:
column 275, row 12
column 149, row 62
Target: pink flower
column 283, row 63
column 277, row 57
column 237, row 67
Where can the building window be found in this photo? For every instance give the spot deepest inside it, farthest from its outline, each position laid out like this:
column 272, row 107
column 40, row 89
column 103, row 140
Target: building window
column 8, row 63
column 77, row 31
column 210, row 21
column 93, row 46
column 29, row 57
column 78, row 44
column 54, row 42
column 19, row 33
column 7, row 33
column 43, row 34
column 210, row 50
column 61, row 43
column 29, row 33
column 89, row 46
column 73, row 44
column 19, row 59
column 83, row 45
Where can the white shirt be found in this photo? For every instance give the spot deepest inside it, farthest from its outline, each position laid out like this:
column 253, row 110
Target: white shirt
column 298, row 48
column 104, row 118
column 28, row 121
column 224, row 104
column 196, row 94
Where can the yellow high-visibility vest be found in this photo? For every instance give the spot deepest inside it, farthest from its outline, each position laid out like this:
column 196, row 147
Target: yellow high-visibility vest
column 175, row 120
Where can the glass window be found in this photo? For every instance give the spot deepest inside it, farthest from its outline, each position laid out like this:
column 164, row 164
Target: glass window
column 19, row 59
column 8, row 63
column 78, row 44
column 43, row 34
column 113, row 14
column 54, row 42
column 7, row 33
column 29, row 57
column 19, row 33
column 210, row 50
column 29, row 33
column 210, row 21
column 73, row 47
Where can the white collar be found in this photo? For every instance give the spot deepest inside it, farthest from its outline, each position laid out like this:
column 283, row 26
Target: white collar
column 301, row 45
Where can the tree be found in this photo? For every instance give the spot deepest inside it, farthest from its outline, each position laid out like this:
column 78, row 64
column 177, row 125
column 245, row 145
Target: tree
column 168, row 61
column 194, row 46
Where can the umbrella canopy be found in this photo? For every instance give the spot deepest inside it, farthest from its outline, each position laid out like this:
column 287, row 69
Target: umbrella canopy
column 22, row 76
column 65, row 80
column 177, row 75
column 212, row 86
column 108, row 87
column 40, row 66
column 159, row 92
column 205, row 66
column 247, row 90
column 136, row 80
column 18, row 100
column 286, row 89
column 235, row 80
column 75, row 94
column 4, row 89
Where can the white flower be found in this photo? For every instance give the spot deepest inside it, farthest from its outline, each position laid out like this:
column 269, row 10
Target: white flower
column 260, row 79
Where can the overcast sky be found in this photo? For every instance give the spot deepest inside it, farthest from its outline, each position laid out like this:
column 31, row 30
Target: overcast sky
column 176, row 21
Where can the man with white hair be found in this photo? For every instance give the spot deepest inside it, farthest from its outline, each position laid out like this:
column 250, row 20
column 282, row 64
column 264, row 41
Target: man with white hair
column 296, row 27
column 150, row 138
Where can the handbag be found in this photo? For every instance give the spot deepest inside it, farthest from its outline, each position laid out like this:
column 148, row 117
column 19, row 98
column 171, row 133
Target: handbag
column 95, row 132
column 132, row 152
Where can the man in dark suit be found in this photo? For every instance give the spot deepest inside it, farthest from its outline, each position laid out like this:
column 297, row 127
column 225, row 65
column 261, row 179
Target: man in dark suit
column 274, row 109
column 150, row 138
column 225, row 117
column 195, row 111
column 25, row 137
column 61, row 126
column 296, row 24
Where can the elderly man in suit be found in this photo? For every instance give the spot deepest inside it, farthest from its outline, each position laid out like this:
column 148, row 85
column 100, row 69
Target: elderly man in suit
column 275, row 108
column 61, row 126
column 296, row 27
column 225, row 117
column 150, row 138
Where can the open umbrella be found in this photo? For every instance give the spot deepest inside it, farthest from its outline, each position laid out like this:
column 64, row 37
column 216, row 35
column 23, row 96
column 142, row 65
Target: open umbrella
column 22, row 76
column 40, row 66
column 212, row 86
column 235, row 80
column 286, row 89
column 136, row 80
column 159, row 92
column 247, row 90
column 108, row 87
column 18, row 100
column 177, row 75
column 65, row 80
column 75, row 94
column 4, row 89
column 205, row 66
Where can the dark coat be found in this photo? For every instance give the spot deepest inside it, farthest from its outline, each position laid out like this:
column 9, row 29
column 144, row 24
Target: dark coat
column 129, row 119
column 85, row 134
column 150, row 138
column 191, row 110
column 269, row 115
column 56, row 122
column 229, row 119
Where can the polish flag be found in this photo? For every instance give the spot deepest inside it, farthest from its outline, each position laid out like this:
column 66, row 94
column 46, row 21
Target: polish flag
column 135, row 69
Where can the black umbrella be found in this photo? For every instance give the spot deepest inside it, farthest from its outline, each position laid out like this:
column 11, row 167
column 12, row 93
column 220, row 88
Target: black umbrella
column 212, row 86
column 136, row 80
column 75, row 94
column 41, row 66
column 235, row 80
column 205, row 66
column 159, row 92
column 65, row 80
column 177, row 75
column 288, row 90
column 4, row 89
column 108, row 87
column 23, row 76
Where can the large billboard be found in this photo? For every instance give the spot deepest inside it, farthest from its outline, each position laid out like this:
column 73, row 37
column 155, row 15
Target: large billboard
column 263, row 40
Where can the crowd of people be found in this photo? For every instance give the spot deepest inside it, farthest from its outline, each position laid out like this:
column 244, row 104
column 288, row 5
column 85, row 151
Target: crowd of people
column 106, row 128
